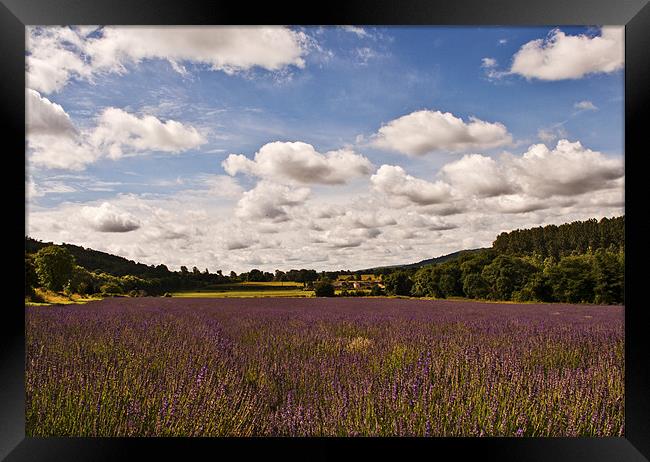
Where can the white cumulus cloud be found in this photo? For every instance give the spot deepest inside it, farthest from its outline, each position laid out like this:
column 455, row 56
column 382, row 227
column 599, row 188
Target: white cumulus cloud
column 118, row 130
column 225, row 48
column 300, row 163
column 560, row 56
column 52, row 138
column 514, row 203
column 477, row 174
column 425, row 131
column 394, row 181
column 513, row 183
column 109, row 219
column 43, row 117
column 55, row 142
column 269, row 201
column 57, row 54
column 568, row 169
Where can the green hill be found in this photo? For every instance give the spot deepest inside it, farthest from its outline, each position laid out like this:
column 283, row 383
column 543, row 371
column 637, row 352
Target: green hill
column 442, row 258
column 421, row 263
column 94, row 260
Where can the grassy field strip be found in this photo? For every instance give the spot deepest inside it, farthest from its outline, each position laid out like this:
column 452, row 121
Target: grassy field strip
column 244, row 293
column 249, row 289
column 272, row 284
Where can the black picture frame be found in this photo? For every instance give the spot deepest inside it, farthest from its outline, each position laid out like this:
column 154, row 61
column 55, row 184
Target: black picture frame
column 634, row 14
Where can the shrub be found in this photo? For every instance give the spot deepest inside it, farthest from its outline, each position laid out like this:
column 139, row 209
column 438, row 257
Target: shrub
column 110, row 288
column 608, row 275
column 54, row 266
column 505, row 275
column 376, row 291
column 426, row 282
column 537, row 289
column 137, row 293
column 81, row 281
column 572, row 279
column 324, row 289
column 398, row 283
column 474, row 286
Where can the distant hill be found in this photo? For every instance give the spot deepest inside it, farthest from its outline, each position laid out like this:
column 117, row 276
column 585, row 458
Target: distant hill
column 94, row 260
column 442, row 258
column 550, row 240
column 428, row 261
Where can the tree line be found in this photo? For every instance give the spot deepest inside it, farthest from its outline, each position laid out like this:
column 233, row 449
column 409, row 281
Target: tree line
column 58, row 268
column 578, row 262
column 573, row 238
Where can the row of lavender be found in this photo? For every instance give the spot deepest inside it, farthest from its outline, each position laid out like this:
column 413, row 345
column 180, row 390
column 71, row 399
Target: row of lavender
column 339, row 367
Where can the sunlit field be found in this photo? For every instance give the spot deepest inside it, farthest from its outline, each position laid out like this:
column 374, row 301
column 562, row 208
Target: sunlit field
column 250, row 289
column 333, row 367
column 245, row 293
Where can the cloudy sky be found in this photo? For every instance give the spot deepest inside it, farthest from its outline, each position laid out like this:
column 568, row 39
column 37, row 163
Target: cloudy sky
column 317, row 147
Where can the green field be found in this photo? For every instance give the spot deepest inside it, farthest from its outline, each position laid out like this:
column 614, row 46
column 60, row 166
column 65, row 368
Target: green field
column 244, row 293
column 250, row 289
column 352, row 277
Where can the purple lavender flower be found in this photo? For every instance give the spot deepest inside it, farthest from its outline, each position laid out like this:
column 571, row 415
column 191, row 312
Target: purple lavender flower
column 463, row 368
column 201, row 376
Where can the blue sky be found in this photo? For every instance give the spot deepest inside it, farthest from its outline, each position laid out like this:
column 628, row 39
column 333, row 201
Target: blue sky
column 132, row 140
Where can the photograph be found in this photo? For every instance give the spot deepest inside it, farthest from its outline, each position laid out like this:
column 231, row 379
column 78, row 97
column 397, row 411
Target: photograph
column 325, row 231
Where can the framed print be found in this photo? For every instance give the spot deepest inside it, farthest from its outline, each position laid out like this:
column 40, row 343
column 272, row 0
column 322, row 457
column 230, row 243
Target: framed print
column 368, row 230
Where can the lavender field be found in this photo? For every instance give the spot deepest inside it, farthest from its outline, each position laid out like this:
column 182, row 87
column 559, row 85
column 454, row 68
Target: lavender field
column 323, row 367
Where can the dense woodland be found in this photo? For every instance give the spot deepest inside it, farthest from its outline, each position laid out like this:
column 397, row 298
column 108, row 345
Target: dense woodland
column 574, row 238
column 579, row 262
